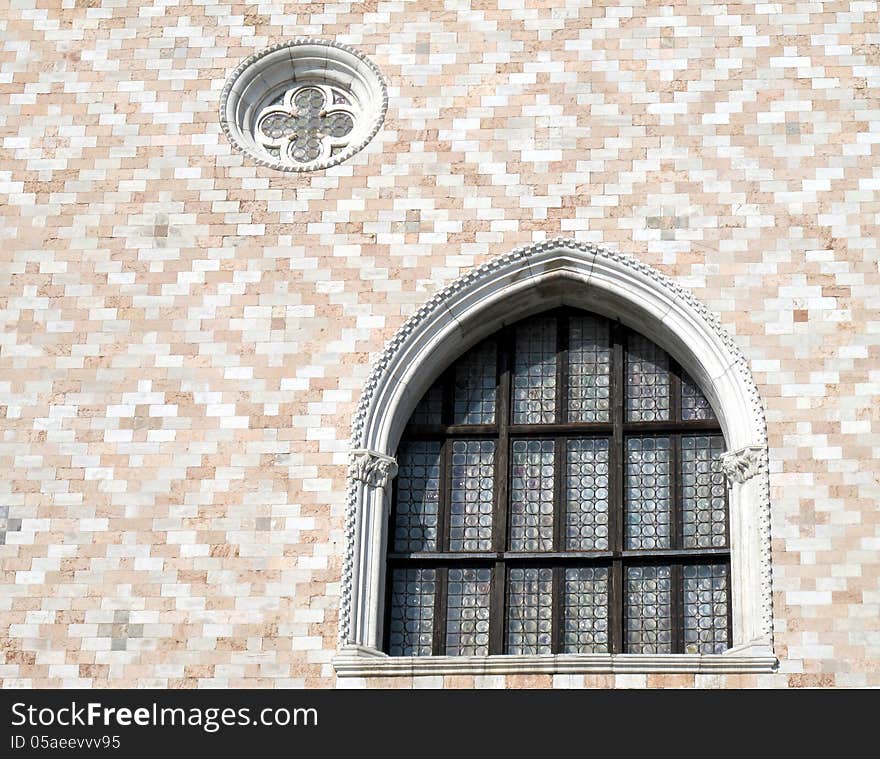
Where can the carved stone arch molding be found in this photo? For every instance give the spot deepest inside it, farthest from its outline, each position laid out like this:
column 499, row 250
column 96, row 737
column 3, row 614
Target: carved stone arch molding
column 504, row 290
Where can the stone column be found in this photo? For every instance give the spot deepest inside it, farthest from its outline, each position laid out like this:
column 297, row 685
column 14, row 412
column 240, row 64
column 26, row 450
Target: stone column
column 372, row 472
column 745, row 469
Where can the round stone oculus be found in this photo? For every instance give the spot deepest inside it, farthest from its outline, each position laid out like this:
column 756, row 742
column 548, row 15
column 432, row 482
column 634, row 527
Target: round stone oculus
column 303, row 105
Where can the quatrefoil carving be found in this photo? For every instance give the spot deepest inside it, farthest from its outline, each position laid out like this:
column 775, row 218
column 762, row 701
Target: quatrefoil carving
column 307, row 124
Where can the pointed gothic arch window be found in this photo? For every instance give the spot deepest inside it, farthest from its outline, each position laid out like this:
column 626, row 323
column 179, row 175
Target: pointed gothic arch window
column 559, row 465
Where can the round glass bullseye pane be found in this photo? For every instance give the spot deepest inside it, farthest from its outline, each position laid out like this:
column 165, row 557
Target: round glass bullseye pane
column 339, row 124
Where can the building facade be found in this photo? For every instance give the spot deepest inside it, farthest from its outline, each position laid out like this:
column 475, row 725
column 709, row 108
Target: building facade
column 241, row 242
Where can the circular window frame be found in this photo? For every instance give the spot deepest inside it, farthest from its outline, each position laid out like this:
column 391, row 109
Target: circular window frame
column 263, row 76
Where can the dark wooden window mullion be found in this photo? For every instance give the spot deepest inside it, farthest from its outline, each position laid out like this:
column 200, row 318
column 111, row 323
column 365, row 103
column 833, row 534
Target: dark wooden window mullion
column 440, row 598
column 676, row 502
column 665, row 427
column 616, row 496
column 618, row 452
column 585, row 429
column 559, row 500
column 441, row 577
column 582, row 558
column 674, row 391
column 445, row 488
column 675, row 575
column 616, row 607
column 561, row 367
column 559, row 516
column 502, row 449
column 497, row 610
column 676, row 540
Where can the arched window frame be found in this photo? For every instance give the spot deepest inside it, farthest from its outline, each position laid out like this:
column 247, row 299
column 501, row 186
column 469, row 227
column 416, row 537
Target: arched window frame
column 527, row 281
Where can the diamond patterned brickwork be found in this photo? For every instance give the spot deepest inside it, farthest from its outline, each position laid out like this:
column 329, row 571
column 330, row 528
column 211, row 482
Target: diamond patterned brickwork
column 185, row 334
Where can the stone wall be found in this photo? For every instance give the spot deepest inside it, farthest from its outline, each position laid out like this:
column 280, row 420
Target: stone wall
column 186, row 334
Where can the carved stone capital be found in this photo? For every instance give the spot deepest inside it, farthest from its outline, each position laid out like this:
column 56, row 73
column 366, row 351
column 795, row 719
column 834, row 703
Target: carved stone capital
column 743, row 464
column 372, row 468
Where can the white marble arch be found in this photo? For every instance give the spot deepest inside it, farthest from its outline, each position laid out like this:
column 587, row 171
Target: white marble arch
column 504, row 290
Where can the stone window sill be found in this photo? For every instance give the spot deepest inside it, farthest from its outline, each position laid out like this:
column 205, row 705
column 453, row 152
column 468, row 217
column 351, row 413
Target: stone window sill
column 357, row 661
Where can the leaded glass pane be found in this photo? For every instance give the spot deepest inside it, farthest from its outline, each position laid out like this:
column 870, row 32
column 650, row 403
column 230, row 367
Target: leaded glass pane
column 475, row 386
column 470, row 499
column 693, row 403
column 534, row 372
column 531, row 496
column 647, row 493
column 411, row 627
column 585, row 628
column 648, row 611
column 647, row 381
column 418, row 496
column 529, row 610
column 706, row 598
column 304, row 124
column 704, row 518
column 467, row 612
column 586, row 495
column 430, row 408
column 589, row 368
column 697, row 607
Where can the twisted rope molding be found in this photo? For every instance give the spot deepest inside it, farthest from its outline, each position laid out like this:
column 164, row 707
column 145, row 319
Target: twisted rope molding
column 486, row 271
column 344, row 155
